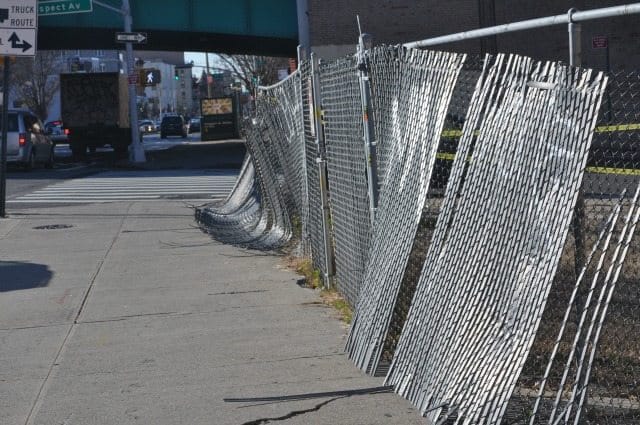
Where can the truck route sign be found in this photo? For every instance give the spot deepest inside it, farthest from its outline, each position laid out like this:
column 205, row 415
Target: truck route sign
column 18, row 27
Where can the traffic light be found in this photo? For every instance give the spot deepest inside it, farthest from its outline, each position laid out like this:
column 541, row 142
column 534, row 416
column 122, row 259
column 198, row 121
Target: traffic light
column 176, row 74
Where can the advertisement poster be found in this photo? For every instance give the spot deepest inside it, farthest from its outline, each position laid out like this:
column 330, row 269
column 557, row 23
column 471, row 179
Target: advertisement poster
column 219, row 118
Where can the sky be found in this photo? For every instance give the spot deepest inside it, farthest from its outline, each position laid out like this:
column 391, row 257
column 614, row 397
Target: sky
column 200, row 60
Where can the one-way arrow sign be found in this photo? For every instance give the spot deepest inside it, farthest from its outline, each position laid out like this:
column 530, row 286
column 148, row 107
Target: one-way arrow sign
column 15, row 43
column 131, row 37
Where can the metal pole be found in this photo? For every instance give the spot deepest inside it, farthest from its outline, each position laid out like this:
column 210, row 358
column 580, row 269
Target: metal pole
column 580, row 256
column 3, row 149
column 303, row 25
column 137, row 153
column 606, row 12
column 322, row 173
column 575, row 59
column 369, row 133
column 575, row 40
column 209, row 88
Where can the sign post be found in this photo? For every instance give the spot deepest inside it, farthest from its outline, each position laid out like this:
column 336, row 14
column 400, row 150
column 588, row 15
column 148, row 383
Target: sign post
column 3, row 153
column 18, row 36
column 137, row 151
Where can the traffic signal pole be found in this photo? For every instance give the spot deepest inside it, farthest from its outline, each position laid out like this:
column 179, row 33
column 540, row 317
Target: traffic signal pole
column 136, row 151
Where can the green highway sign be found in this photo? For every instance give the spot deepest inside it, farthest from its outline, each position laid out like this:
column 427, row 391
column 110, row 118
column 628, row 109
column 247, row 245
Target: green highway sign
column 63, row 7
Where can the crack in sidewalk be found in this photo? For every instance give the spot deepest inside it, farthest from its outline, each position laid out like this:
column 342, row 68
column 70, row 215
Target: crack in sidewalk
column 293, row 413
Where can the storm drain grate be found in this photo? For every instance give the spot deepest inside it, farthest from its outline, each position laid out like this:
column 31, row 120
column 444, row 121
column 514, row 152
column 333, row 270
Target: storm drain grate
column 53, row 226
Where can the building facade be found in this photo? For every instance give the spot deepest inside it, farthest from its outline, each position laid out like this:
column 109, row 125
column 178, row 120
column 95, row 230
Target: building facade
column 333, row 29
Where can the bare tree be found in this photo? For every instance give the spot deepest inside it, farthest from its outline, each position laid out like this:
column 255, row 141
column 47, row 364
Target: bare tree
column 36, row 80
column 252, row 70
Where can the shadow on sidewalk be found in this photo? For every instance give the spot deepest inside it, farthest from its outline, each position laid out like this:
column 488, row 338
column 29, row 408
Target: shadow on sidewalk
column 15, row 276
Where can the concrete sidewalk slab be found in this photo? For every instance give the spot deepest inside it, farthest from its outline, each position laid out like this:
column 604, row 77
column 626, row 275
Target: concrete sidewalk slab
column 169, row 323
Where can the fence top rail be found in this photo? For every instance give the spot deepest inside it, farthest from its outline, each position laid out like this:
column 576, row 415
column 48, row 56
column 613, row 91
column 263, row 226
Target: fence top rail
column 571, row 16
column 279, row 83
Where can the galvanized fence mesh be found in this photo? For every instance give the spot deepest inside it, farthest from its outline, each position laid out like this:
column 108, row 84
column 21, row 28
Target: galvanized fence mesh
column 499, row 280
column 604, row 370
column 316, row 239
column 276, row 206
column 416, row 108
column 343, row 130
column 493, row 255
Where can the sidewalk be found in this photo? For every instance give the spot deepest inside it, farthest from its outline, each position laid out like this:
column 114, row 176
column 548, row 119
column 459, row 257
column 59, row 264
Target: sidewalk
column 134, row 316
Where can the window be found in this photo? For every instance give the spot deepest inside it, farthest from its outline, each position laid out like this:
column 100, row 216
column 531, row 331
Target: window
column 13, row 122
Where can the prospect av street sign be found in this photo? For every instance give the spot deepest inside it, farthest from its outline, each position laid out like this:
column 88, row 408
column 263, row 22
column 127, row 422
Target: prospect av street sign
column 18, row 27
column 63, row 7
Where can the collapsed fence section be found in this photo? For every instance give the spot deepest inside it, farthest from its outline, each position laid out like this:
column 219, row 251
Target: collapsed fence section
column 468, row 281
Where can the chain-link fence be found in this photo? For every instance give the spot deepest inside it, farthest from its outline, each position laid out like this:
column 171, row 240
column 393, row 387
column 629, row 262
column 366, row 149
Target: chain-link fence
column 499, row 280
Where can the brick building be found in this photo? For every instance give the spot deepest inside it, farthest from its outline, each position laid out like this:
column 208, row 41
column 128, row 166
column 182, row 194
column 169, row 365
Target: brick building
column 333, row 29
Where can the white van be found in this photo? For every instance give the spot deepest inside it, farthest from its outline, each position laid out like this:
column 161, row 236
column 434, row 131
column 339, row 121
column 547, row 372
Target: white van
column 27, row 143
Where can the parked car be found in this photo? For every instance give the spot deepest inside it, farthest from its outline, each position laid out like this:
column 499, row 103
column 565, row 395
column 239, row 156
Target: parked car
column 56, row 132
column 27, row 141
column 194, row 125
column 173, row 125
column 147, row 126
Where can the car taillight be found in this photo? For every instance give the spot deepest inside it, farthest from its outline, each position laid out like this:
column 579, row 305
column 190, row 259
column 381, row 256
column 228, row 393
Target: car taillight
column 66, row 132
column 22, row 139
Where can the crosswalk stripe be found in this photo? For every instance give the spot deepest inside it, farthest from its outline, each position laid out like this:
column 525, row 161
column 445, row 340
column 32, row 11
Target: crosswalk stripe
column 113, row 186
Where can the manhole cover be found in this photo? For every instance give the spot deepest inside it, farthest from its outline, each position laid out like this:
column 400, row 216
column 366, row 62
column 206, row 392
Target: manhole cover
column 53, row 226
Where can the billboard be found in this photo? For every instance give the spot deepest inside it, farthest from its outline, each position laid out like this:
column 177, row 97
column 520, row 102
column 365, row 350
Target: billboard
column 219, row 118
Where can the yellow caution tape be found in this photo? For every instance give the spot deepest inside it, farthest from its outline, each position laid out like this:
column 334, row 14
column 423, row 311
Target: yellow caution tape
column 602, row 129
column 446, row 156
column 610, row 170
column 620, row 127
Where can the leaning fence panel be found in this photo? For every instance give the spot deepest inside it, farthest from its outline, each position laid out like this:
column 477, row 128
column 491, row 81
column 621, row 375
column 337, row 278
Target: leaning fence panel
column 498, row 239
column 418, row 109
column 611, row 392
column 347, row 176
column 315, row 224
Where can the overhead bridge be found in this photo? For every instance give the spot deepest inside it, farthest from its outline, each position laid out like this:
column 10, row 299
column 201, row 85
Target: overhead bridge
column 226, row 26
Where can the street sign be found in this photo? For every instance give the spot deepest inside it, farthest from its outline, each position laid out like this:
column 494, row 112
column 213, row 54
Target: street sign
column 18, row 27
column 600, row 42
column 131, row 37
column 63, row 7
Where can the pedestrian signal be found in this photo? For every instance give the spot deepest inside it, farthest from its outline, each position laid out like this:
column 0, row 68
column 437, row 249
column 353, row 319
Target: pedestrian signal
column 150, row 77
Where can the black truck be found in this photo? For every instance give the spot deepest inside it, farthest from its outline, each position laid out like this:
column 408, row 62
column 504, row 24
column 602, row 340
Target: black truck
column 95, row 110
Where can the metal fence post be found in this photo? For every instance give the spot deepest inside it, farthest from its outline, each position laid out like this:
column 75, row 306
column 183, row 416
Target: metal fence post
column 575, row 59
column 579, row 216
column 370, row 145
column 321, row 160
